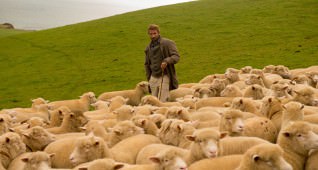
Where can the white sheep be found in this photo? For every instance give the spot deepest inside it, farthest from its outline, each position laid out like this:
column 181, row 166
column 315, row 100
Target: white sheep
column 146, row 123
column 91, row 147
column 231, row 91
column 292, row 111
column 263, row 156
column 11, row 146
column 297, row 139
column 213, row 101
column 37, row 138
column 123, row 130
column 154, row 101
column 231, row 121
column 254, row 91
column 311, row 162
column 71, row 123
column 272, row 109
column 261, row 127
column 96, row 128
column 56, row 116
column 204, row 92
column 246, row 105
column 35, row 102
column 101, row 111
column 209, row 78
column 177, row 112
column 133, row 95
column 116, row 102
column 304, row 94
column 238, row 145
column 126, row 150
column 125, row 112
column 76, row 105
column 188, row 101
column 167, row 159
column 100, row 164
column 41, row 111
column 180, row 92
column 174, row 131
column 204, row 144
column 32, row 161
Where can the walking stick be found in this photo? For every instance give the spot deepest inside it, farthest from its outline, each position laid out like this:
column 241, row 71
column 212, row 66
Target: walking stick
column 160, row 89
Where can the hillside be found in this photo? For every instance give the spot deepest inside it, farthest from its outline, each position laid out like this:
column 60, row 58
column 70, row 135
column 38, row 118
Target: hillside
column 107, row 54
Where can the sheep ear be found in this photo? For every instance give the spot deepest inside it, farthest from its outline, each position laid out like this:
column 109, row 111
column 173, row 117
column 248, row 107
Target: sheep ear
column 117, row 132
column 83, row 128
column 83, row 168
column 26, row 135
column 179, row 111
column 180, row 128
column 25, row 160
column 256, row 158
column 52, row 155
column 118, row 166
column 190, row 138
column 302, row 107
column 155, row 159
column 143, row 121
column 223, row 134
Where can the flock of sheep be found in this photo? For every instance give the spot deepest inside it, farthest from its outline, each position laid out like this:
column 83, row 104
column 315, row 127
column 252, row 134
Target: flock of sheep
column 244, row 119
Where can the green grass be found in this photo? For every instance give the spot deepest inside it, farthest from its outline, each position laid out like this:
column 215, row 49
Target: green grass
column 9, row 32
column 107, row 54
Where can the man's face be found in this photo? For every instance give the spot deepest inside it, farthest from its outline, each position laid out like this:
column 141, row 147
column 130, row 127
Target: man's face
column 153, row 34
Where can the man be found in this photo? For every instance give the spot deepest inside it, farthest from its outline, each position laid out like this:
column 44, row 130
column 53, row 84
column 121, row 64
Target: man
column 161, row 55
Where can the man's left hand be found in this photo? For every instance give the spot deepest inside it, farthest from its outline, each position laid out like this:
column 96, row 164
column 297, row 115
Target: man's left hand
column 163, row 65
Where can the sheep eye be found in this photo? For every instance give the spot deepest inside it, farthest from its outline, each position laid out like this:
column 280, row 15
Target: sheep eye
column 299, row 135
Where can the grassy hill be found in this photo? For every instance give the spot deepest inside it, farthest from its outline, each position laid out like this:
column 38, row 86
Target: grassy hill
column 107, row 54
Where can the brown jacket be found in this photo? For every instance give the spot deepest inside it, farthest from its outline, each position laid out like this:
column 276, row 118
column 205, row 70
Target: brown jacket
column 170, row 55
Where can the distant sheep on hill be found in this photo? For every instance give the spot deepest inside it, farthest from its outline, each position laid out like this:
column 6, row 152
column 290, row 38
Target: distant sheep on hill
column 134, row 95
column 77, row 106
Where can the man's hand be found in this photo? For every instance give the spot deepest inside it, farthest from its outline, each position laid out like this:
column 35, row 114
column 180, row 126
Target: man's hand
column 163, row 65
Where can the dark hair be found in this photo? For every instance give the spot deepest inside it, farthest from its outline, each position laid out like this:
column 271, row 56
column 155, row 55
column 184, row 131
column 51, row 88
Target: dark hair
column 154, row 27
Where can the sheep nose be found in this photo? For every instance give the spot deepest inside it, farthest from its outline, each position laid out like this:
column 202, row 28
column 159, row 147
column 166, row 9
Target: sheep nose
column 184, row 168
column 241, row 128
column 213, row 153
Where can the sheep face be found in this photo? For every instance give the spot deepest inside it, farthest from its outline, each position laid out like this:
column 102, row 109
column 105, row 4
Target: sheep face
column 206, row 141
column 11, row 146
column 37, row 138
column 87, row 149
column 304, row 96
column 124, row 130
column 178, row 113
column 299, row 137
column 282, row 71
column 232, row 121
column 169, row 160
column 37, row 161
column 231, row 91
column 265, row 156
column 3, row 126
column 254, row 79
column 144, row 86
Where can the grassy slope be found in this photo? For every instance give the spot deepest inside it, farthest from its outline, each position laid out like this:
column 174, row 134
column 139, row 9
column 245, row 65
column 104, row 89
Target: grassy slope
column 107, row 54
